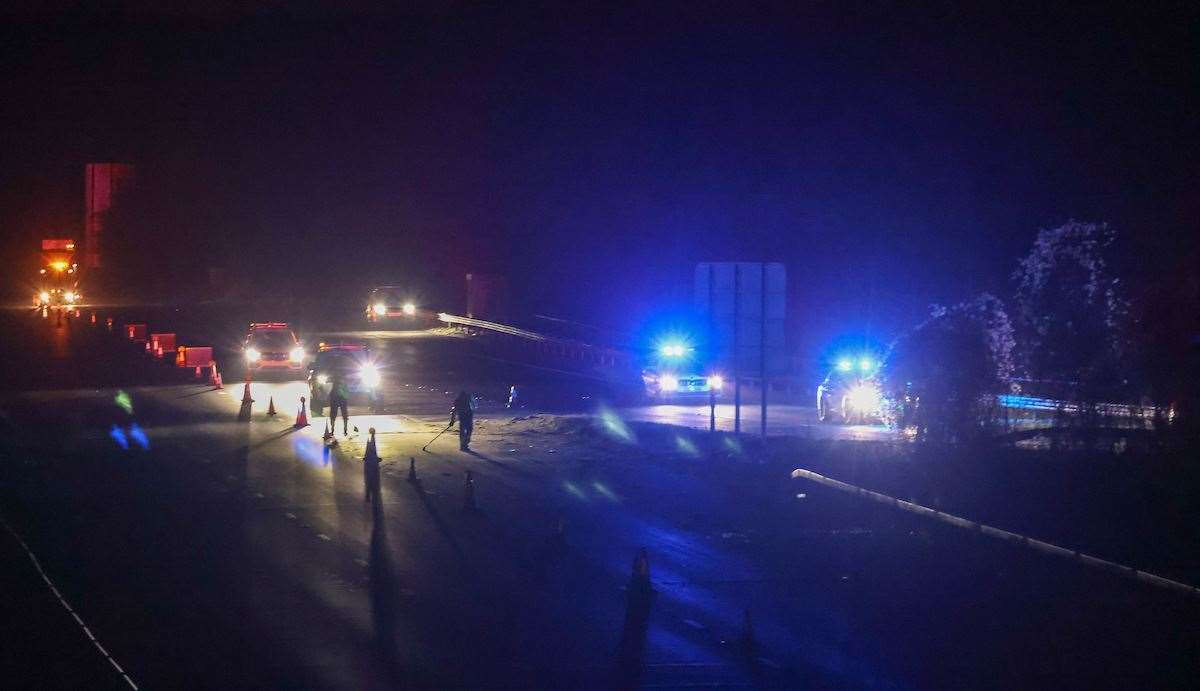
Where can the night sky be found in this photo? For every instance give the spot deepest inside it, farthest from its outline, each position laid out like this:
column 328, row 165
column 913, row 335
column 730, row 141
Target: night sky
column 891, row 157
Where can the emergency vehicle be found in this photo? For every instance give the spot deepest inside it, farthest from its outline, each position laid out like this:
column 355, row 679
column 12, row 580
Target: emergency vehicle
column 272, row 346
column 58, row 275
column 357, row 369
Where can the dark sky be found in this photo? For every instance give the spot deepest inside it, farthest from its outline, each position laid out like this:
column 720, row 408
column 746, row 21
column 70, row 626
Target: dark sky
column 892, row 157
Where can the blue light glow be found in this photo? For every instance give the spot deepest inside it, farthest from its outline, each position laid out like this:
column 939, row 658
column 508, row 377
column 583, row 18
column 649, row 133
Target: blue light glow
column 118, row 435
column 139, row 436
column 845, row 365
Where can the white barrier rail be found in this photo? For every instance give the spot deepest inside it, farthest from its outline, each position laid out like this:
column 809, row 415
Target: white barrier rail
column 490, row 326
column 1032, row 543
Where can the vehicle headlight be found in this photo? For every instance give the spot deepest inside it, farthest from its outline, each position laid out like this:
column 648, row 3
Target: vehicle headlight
column 69, row 296
column 409, row 309
column 322, row 379
column 297, row 354
column 252, row 355
column 44, row 296
column 864, row 398
column 379, row 308
column 715, row 382
column 369, row 375
column 668, row 383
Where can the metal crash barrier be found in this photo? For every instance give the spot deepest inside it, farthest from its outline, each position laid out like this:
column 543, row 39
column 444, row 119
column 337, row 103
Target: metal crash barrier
column 990, row 531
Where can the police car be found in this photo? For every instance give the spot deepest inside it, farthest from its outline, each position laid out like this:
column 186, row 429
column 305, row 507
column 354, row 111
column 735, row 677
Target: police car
column 850, row 392
column 272, row 346
column 674, row 374
column 357, row 369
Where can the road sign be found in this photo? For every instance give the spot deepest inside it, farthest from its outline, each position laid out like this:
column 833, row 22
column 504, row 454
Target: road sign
column 745, row 303
column 735, row 296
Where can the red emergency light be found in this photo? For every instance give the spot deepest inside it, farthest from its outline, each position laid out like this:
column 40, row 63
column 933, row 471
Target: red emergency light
column 59, row 244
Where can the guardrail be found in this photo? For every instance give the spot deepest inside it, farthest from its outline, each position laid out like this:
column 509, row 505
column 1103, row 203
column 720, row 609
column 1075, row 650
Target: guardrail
column 1015, row 538
column 1050, row 405
column 454, row 319
column 563, row 349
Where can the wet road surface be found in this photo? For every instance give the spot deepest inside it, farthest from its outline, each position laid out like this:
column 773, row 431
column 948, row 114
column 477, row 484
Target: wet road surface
column 209, row 553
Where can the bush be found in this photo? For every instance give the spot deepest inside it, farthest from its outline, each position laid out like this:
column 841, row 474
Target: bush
column 942, row 376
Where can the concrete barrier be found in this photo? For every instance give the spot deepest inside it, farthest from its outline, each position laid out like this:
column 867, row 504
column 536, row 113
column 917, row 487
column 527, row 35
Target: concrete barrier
column 990, row 531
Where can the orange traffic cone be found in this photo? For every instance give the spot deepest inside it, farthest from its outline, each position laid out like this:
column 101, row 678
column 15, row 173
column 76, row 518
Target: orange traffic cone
column 370, row 452
column 641, row 570
column 747, row 641
column 271, row 407
column 469, row 492
column 93, row 318
column 244, row 411
column 302, row 416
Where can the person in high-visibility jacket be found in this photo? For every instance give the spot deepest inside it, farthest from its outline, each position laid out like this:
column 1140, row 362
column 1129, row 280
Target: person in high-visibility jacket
column 464, row 412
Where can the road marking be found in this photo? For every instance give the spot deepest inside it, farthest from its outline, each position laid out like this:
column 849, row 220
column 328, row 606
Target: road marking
column 291, row 516
column 324, row 537
column 259, row 495
column 62, row 601
column 361, row 562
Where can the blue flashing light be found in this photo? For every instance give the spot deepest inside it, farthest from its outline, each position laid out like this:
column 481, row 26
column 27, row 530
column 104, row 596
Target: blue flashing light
column 865, row 364
column 673, row 350
column 845, row 365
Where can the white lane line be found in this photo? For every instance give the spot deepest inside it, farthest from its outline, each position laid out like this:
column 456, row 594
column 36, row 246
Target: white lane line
column 62, row 601
column 291, row 516
column 323, row 536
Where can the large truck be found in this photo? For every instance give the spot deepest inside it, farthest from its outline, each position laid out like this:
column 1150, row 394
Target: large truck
column 57, row 282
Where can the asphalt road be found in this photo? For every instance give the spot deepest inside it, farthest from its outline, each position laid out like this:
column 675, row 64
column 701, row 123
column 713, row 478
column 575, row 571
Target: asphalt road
column 205, row 552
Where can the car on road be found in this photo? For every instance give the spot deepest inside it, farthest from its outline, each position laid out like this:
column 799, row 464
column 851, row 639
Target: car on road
column 57, row 297
column 272, row 346
column 358, row 369
column 675, row 373
column 674, row 385
column 394, row 305
column 850, row 393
